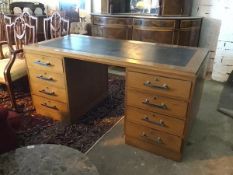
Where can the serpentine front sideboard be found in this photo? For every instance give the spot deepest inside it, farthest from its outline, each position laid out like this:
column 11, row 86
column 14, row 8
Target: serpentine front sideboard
column 69, row 75
column 184, row 31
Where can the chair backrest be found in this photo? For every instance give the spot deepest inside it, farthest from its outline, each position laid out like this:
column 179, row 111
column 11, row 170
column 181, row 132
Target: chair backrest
column 3, row 21
column 55, row 26
column 24, row 33
column 31, row 20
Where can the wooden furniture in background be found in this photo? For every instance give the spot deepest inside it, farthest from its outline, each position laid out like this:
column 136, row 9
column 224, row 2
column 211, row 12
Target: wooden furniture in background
column 167, row 7
column 183, row 31
column 55, row 26
column 31, row 5
column 13, row 67
column 175, row 7
column 68, row 76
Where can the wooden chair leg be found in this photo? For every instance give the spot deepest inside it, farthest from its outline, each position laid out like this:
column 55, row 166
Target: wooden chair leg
column 10, row 91
column 9, row 86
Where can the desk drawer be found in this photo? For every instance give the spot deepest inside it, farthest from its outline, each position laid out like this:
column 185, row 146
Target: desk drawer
column 46, row 78
column 155, row 121
column 45, row 63
column 50, row 92
column 155, row 103
column 153, row 137
column 161, row 85
column 49, row 108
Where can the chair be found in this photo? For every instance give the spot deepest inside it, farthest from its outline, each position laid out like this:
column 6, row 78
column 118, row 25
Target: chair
column 55, row 26
column 14, row 67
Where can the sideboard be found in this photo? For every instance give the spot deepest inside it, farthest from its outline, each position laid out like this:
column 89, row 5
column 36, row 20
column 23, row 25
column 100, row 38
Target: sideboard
column 182, row 31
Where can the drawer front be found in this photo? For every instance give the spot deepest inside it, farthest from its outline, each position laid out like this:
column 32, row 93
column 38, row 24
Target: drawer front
column 190, row 23
column 157, row 84
column 46, row 78
column 112, row 21
column 154, row 23
column 49, row 108
column 155, row 121
column 155, row 103
column 153, row 137
column 50, row 92
column 45, row 63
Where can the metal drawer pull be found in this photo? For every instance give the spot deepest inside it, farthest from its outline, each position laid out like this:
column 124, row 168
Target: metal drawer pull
column 158, row 140
column 149, row 84
column 48, row 106
column 47, row 93
column 43, row 63
column 45, row 78
column 160, row 123
column 161, row 106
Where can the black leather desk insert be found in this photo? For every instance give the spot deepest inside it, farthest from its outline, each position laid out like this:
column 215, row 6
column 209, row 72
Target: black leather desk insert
column 176, row 56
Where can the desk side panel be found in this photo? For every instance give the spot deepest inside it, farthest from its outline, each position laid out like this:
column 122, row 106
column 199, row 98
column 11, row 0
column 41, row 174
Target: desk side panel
column 87, row 85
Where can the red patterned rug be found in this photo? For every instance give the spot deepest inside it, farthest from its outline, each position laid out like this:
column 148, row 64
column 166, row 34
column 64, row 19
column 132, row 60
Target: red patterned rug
column 37, row 129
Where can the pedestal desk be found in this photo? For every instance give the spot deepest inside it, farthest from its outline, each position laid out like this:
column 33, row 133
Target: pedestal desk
column 69, row 75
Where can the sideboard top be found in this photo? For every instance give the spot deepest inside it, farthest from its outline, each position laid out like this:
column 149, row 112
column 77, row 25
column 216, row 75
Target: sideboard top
column 150, row 16
column 125, row 53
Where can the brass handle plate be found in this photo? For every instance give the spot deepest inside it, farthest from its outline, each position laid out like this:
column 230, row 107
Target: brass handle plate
column 42, row 77
column 158, row 140
column 41, row 63
column 47, row 92
column 162, row 87
column 160, row 106
column 50, row 107
column 160, row 123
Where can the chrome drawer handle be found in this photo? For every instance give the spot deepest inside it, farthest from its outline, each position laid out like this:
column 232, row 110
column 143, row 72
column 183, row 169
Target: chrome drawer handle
column 50, row 107
column 161, row 106
column 43, row 63
column 160, row 123
column 47, row 93
column 149, row 84
column 45, row 78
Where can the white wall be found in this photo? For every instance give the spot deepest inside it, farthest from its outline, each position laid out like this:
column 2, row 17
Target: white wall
column 217, row 34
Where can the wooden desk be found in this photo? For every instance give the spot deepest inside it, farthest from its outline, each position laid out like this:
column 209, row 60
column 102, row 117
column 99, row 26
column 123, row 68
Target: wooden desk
column 68, row 76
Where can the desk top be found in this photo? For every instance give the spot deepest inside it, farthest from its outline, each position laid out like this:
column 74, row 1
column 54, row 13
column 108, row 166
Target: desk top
column 124, row 53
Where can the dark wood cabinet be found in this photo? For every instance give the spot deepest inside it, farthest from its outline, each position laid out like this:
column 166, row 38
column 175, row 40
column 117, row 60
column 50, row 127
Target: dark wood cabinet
column 110, row 27
column 167, row 30
column 117, row 32
column 175, row 7
column 189, row 32
column 172, row 7
column 152, row 30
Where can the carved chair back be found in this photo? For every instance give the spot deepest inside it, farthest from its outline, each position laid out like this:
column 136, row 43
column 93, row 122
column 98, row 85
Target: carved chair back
column 23, row 33
column 55, row 26
column 31, row 20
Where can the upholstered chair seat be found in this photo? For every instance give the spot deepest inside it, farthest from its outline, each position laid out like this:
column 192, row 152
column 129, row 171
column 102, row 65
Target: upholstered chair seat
column 18, row 69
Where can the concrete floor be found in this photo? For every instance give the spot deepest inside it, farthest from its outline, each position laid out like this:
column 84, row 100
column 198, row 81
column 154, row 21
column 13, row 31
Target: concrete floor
column 209, row 151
